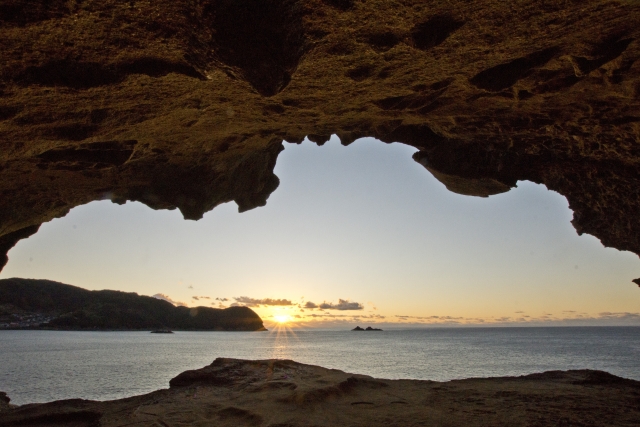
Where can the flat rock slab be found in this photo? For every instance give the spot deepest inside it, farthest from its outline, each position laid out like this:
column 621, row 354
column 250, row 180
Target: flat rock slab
column 283, row 393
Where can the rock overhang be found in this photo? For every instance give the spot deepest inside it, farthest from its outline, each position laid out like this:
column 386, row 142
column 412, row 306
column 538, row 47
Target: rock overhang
column 185, row 105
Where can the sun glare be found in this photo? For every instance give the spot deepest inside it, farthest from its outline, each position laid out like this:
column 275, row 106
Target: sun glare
column 282, row 318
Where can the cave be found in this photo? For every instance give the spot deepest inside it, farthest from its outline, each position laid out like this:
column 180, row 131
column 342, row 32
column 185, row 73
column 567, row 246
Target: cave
column 186, row 105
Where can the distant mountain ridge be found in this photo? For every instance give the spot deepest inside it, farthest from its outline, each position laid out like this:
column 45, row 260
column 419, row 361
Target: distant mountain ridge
column 45, row 304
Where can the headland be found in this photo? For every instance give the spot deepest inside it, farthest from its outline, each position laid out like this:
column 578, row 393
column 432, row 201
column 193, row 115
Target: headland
column 44, row 304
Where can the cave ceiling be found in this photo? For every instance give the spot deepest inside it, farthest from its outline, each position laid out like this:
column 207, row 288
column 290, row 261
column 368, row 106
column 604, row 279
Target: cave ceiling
column 185, row 103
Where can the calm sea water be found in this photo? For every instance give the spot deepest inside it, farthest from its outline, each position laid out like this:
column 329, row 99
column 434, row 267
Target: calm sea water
column 40, row 366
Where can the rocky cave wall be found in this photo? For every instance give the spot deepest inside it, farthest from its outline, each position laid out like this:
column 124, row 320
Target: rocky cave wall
column 185, row 103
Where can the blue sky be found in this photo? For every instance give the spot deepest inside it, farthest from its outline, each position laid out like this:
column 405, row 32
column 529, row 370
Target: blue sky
column 364, row 224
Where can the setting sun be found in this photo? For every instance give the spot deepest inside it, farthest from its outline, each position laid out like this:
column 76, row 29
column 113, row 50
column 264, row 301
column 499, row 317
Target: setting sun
column 282, row 318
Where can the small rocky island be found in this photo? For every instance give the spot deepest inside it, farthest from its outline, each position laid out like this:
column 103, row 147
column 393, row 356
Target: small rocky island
column 368, row 328
column 44, row 304
column 238, row 393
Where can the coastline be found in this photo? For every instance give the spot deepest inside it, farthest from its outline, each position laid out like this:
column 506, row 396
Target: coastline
column 46, row 304
column 282, row 393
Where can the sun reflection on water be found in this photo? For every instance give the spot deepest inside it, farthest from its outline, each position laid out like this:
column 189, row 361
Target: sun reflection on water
column 283, row 335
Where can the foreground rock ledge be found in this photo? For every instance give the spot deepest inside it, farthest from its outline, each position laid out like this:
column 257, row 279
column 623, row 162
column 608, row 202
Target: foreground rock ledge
column 232, row 392
column 184, row 104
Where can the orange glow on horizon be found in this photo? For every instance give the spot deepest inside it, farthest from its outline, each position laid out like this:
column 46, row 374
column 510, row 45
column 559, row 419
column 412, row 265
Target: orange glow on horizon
column 282, row 318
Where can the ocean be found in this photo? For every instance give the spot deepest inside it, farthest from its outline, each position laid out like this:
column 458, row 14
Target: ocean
column 41, row 366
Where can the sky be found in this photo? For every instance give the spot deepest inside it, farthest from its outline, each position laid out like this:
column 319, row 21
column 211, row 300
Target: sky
column 357, row 235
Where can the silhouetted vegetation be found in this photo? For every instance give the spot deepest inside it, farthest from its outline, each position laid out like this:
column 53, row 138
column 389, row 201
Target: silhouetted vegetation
column 71, row 307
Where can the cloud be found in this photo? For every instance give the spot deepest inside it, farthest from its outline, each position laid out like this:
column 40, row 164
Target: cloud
column 329, row 315
column 222, row 299
column 429, row 317
column 576, row 319
column 168, row 299
column 254, row 302
column 620, row 316
column 342, row 305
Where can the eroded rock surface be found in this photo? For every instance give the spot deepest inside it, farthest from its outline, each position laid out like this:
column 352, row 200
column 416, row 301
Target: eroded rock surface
column 184, row 104
column 233, row 392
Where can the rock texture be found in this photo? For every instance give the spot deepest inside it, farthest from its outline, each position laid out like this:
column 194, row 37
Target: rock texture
column 279, row 393
column 185, row 103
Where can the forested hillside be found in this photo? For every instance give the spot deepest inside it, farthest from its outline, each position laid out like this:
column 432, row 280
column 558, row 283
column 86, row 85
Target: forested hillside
column 48, row 304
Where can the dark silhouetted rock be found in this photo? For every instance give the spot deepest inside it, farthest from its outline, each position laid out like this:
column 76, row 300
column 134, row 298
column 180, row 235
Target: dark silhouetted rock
column 4, row 402
column 369, row 328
